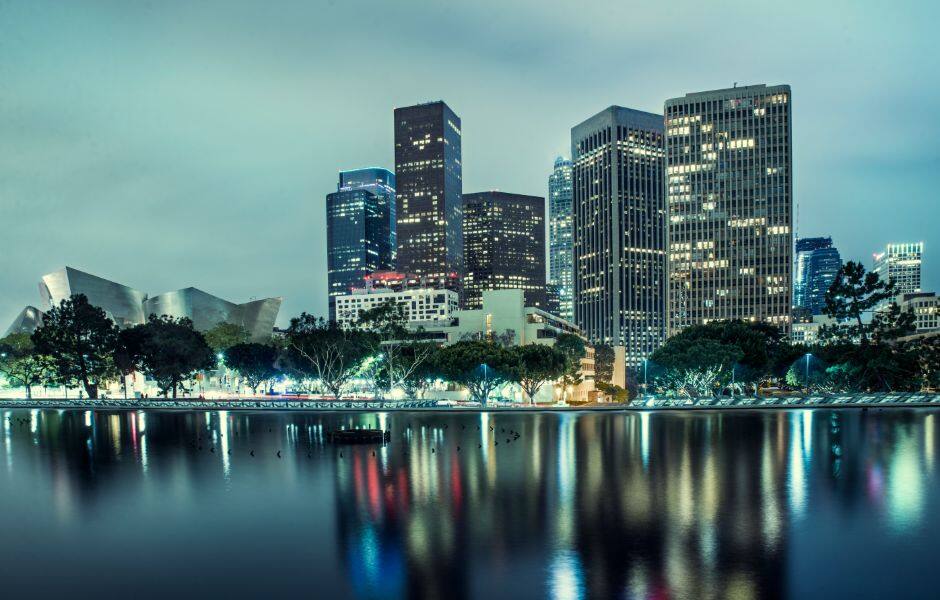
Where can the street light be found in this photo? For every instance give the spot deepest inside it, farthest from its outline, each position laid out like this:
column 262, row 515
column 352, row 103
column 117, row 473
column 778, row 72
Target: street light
column 808, row 355
column 485, row 388
column 645, row 378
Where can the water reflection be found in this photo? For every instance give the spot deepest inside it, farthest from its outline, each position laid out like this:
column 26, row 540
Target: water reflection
column 635, row 505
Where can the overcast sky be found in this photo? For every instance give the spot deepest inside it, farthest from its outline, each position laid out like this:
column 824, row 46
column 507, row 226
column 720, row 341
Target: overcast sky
column 165, row 144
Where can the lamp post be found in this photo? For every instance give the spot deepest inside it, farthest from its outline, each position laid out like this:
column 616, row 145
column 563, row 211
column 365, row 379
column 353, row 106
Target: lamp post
column 646, row 382
column 806, row 380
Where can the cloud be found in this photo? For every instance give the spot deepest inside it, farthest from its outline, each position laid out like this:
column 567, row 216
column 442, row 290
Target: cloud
column 168, row 144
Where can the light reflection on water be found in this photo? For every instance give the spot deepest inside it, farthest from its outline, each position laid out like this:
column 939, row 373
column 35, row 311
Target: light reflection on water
column 570, row 505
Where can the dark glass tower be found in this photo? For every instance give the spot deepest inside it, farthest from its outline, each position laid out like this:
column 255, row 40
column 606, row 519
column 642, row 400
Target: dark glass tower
column 817, row 264
column 504, row 246
column 428, row 172
column 360, row 229
column 619, row 230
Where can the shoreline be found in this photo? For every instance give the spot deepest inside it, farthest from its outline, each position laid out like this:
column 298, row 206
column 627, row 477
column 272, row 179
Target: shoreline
column 905, row 400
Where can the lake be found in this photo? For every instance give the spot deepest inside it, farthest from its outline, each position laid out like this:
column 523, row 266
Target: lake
column 705, row 504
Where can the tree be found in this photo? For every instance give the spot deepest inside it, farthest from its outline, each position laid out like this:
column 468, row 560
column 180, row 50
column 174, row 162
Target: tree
column 254, row 362
column 603, row 363
column 745, row 351
column 700, row 381
column 535, row 364
column 617, row 393
column 21, row 363
column 127, row 353
column 927, row 351
column 225, row 335
column 425, row 371
column 478, row 365
column 80, row 340
column 172, row 352
column 854, row 293
column 400, row 351
column 323, row 350
column 572, row 346
column 890, row 323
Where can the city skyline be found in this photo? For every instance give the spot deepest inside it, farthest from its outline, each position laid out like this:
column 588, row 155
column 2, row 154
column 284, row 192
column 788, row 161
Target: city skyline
column 164, row 170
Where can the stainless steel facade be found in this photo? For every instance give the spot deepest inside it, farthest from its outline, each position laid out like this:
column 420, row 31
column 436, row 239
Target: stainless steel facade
column 128, row 307
column 730, row 205
column 124, row 305
column 26, row 322
column 206, row 311
column 619, row 230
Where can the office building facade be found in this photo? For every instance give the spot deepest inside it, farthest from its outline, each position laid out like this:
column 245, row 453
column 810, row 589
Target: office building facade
column 817, row 264
column 560, row 270
column 618, row 225
column 429, row 189
column 504, row 246
column 730, row 205
column 360, row 229
column 900, row 263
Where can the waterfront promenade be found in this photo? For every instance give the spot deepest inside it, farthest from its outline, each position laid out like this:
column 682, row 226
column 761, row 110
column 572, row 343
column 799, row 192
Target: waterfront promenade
column 882, row 400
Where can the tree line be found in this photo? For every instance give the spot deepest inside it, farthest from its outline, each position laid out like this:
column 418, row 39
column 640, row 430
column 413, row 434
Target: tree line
column 862, row 351
column 78, row 345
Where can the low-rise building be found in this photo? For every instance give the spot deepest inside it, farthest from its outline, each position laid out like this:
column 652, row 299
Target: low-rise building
column 423, row 303
column 807, row 331
column 504, row 317
column 926, row 308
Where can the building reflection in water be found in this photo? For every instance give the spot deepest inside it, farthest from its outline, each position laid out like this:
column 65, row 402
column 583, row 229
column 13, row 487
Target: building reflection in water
column 570, row 505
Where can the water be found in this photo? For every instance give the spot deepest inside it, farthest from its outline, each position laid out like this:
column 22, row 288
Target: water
column 792, row 504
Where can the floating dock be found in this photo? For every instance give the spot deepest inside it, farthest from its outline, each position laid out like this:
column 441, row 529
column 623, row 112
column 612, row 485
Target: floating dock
column 359, row 436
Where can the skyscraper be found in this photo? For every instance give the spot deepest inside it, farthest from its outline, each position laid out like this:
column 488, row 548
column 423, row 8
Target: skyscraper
column 900, row 263
column 360, row 229
column 560, row 272
column 817, row 264
column 504, row 246
column 730, row 204
column 428, row 172
column 618, row 225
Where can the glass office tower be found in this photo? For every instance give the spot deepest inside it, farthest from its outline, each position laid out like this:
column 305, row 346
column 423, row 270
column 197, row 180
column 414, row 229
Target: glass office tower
column 560, row 272
column 428, row 173
column 504, row 246
column 619, row 231
column 901, row 264
column 817, row 264
column 730, row 204
column 360, row 229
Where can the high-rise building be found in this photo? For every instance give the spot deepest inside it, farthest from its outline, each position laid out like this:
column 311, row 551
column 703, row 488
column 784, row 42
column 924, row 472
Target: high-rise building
column 618, row 225
column 730, row 203
column 504, row 246
column 560, row 271
column 900, row 263
column 428, row 172
column 817, row 264
column 360, row 229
